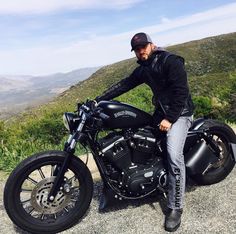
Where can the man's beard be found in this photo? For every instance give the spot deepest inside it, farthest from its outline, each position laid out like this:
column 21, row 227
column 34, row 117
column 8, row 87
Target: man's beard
column 145, row 56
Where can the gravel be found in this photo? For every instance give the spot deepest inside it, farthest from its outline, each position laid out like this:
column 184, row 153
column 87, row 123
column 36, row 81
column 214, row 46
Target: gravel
column 208, row 209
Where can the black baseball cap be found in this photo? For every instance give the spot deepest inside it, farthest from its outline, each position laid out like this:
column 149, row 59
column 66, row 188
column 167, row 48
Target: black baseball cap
column 140, row 39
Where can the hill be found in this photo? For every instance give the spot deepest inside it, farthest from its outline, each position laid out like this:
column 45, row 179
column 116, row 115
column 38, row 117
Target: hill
column 211, row 67
column 20, row 92
column 210, row 63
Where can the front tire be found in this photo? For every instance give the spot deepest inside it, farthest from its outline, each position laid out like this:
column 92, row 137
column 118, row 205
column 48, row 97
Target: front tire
column 25, row 193
column 222, row 135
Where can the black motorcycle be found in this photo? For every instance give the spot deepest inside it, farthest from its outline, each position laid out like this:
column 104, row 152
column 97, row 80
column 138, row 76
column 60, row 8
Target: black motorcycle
column 51, row 191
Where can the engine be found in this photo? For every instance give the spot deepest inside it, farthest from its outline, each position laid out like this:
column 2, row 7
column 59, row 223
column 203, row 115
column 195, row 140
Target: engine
column 132, row 162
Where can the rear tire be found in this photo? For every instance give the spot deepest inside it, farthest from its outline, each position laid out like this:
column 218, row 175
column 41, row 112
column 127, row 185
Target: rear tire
column 222, row 135
column 25, row 194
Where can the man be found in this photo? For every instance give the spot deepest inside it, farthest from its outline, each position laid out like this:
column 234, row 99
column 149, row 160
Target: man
column 165, row 74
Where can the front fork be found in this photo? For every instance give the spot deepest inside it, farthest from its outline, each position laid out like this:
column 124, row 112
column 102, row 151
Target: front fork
column 69, row 149
column 59, row 172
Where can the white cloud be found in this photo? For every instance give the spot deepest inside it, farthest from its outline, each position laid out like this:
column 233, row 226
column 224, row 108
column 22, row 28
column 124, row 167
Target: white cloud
column 37, row 6
column 165, row 20
column 102, row 50
column 217, row 14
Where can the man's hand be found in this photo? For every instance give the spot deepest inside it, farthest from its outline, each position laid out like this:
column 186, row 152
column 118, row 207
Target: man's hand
column 165, row 125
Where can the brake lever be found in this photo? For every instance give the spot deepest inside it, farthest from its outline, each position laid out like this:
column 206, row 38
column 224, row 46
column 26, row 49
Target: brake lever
column 78, row 107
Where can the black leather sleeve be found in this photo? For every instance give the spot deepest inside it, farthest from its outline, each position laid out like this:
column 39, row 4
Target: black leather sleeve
column 122, row 86
column 178, row 85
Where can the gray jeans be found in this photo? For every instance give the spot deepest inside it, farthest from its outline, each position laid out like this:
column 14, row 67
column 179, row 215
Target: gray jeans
column 176, row 137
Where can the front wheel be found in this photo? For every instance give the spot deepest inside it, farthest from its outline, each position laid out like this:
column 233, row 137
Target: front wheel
column 222, row 135
column 28, row 186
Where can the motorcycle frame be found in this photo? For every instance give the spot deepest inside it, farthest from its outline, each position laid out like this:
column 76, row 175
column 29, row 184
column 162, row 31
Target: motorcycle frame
column 195, row 134
column 204, row 157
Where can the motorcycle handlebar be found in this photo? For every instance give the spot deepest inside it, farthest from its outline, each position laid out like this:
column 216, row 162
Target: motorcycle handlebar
column 91, row 106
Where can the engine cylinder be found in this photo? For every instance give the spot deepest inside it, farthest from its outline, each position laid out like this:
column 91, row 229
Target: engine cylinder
column 116, row 151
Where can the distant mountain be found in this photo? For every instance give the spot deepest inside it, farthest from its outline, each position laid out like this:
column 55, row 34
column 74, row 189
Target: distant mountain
column 211, row 68
column 62, row 81
column 8, row 83
column 20, row 92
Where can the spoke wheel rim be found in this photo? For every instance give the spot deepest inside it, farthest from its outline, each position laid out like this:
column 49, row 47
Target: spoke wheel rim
column 35, row 188
column 223, row 151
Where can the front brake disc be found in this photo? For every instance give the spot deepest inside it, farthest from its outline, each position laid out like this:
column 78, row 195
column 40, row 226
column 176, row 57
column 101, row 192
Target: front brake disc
column 39, row 197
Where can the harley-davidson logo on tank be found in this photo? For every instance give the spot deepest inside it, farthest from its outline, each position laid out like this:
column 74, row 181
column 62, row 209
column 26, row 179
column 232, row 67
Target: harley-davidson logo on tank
column 125, row 113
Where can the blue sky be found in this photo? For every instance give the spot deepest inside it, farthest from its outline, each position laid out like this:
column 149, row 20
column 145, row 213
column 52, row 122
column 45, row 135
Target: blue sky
column 43, row 37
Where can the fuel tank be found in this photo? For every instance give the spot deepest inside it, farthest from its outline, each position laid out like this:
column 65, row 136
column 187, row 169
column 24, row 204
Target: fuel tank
column 122, row 115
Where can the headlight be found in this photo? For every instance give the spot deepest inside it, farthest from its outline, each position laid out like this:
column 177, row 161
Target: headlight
column 70, row 121
column 65, row 121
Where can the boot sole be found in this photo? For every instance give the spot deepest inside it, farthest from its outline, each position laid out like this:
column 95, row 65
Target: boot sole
column 172, row 229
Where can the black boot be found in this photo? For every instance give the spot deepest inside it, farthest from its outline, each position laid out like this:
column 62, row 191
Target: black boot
column 173, row 220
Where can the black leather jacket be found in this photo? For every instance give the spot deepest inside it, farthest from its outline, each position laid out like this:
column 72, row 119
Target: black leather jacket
column 165, row 74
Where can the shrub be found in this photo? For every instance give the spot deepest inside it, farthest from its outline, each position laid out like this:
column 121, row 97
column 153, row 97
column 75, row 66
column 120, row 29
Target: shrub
column 203, row 106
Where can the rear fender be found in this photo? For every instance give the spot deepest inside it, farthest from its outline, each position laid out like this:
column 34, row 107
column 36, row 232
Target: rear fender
column 197, row 123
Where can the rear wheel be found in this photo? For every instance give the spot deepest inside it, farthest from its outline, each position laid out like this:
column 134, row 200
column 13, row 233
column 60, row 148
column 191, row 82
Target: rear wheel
column 222, row 135
column 27, row 188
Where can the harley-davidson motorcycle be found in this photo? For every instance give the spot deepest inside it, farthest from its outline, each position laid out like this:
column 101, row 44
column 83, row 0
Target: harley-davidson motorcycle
column 51, row 191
